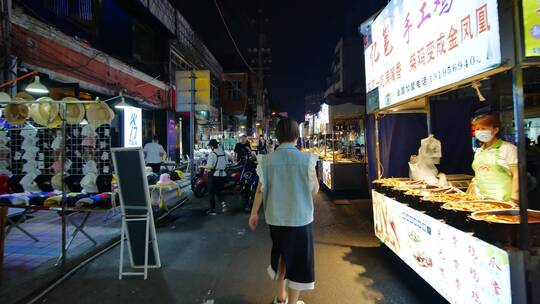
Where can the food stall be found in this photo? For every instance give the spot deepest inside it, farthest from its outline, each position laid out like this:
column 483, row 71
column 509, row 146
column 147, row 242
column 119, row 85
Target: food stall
column 469, row 249
column 338, row 136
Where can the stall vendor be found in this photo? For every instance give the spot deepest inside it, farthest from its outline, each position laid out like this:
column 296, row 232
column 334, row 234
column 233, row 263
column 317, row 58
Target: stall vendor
column 496, row 162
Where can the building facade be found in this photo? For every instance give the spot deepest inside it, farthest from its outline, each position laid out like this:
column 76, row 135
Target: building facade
column 346, row 82
column 92, row 48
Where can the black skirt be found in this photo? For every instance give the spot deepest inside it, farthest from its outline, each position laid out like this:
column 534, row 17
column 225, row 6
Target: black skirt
column 295, row 246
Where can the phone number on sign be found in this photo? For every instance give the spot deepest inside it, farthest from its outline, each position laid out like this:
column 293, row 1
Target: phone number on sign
column 441, row 74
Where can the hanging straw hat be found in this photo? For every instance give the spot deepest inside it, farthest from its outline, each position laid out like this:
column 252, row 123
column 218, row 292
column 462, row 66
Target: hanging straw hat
column 99, row 114
column 4, row 97
column 45, row 113
column 16, row 114
column 74, row 111
column 25, row 96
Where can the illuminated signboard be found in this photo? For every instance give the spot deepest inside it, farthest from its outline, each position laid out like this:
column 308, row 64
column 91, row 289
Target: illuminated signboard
column 531, row 27
column 327, row 174
column 461, row 267
column 132, row 127
column 415, row 47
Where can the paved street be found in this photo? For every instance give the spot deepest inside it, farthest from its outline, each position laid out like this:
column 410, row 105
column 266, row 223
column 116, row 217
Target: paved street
column 218, row 259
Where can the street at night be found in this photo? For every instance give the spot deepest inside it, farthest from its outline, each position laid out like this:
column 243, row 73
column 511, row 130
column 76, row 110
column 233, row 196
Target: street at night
column 270, row 151
column 219, row 259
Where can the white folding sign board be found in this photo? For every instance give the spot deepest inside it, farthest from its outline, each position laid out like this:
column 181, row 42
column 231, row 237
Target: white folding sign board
column 415, row 47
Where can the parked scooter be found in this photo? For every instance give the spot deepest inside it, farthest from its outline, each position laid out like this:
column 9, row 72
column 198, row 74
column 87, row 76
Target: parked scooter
column 199, row 183
column 249, row 182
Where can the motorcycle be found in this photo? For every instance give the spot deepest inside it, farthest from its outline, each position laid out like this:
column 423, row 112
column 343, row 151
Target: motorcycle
column 199, row 183
column 249, row 182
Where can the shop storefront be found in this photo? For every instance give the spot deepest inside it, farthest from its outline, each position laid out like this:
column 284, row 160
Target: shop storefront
column 336, row 135
column 470, row 247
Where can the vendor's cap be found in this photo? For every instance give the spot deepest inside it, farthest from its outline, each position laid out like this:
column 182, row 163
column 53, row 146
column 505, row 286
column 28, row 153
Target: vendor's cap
column 74, row 111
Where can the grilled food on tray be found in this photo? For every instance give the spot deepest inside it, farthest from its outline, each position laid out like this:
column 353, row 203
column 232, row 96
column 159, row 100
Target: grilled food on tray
column 450, row 197
column 477, row 206
column 504, row 218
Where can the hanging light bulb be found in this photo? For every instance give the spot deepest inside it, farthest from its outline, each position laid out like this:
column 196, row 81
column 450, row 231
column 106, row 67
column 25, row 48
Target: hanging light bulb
column 37, row 87
column 122, row 104
column 84, row 122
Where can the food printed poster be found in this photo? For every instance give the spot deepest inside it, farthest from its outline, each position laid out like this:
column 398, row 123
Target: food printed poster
column 417, row 46
column 327, row 174
column 531, row 27
column 462, row 268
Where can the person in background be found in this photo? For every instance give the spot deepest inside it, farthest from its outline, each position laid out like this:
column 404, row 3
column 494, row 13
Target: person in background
column 242, row 149
column 261, row 147
column 287, row 182
column 270, row 146
column 153, row 153
column 217, row 162
column 496, row 162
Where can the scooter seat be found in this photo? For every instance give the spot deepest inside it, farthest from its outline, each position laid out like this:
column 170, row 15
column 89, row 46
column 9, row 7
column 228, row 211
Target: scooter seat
column 234, row 167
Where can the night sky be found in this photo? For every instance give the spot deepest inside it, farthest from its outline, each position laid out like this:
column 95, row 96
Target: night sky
column 302, row 35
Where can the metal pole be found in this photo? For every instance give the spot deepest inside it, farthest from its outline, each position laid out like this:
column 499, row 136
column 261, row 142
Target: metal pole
column 192, row 123
column 377, row 147
column 64, row 197
column 519, row 115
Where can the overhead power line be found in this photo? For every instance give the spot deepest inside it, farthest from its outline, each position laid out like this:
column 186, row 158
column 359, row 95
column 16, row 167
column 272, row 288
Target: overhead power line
column 232, row 38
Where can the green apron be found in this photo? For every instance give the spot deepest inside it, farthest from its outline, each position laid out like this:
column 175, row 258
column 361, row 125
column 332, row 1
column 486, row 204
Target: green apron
column 492, row 180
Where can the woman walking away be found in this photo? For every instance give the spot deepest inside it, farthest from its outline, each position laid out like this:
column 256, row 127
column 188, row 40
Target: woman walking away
column 217, row 162
column 287, row 183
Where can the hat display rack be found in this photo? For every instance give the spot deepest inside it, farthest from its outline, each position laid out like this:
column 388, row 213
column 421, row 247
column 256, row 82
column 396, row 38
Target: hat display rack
column 45, row 137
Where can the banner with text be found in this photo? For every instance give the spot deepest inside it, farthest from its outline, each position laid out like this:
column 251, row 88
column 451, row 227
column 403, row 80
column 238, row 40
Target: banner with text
column 462, row 268
column 531, row 27
column 414, row 47
column 132, row 131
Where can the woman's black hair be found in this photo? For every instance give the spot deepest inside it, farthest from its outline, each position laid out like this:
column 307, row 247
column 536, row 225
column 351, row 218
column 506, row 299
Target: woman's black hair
column 287, row 130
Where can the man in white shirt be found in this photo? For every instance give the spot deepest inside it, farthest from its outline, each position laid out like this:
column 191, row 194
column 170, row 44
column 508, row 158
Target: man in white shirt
column 154, row 152
column 216, row 165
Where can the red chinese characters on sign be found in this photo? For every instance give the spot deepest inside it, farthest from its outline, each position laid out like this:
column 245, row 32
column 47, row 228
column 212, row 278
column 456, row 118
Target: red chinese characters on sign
column 421, row 56
column 387, row 46
column 408, row 26
column 496, row 288
column 412, row 62
column 475, row 296
column 374, row 54
column 474, row 275
column 493, row 264
column 398, row 70
column 424, row 15
column 445, row 5
column 482, row 23
column 452, row 38
column 441, row 49
column 466, row 30
column 430, row 51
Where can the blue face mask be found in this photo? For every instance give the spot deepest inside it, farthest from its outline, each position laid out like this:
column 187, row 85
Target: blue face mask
column 484, row 135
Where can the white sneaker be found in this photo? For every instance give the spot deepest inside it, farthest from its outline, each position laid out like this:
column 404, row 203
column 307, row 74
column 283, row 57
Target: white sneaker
column 223, row 207
column 276, row 301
